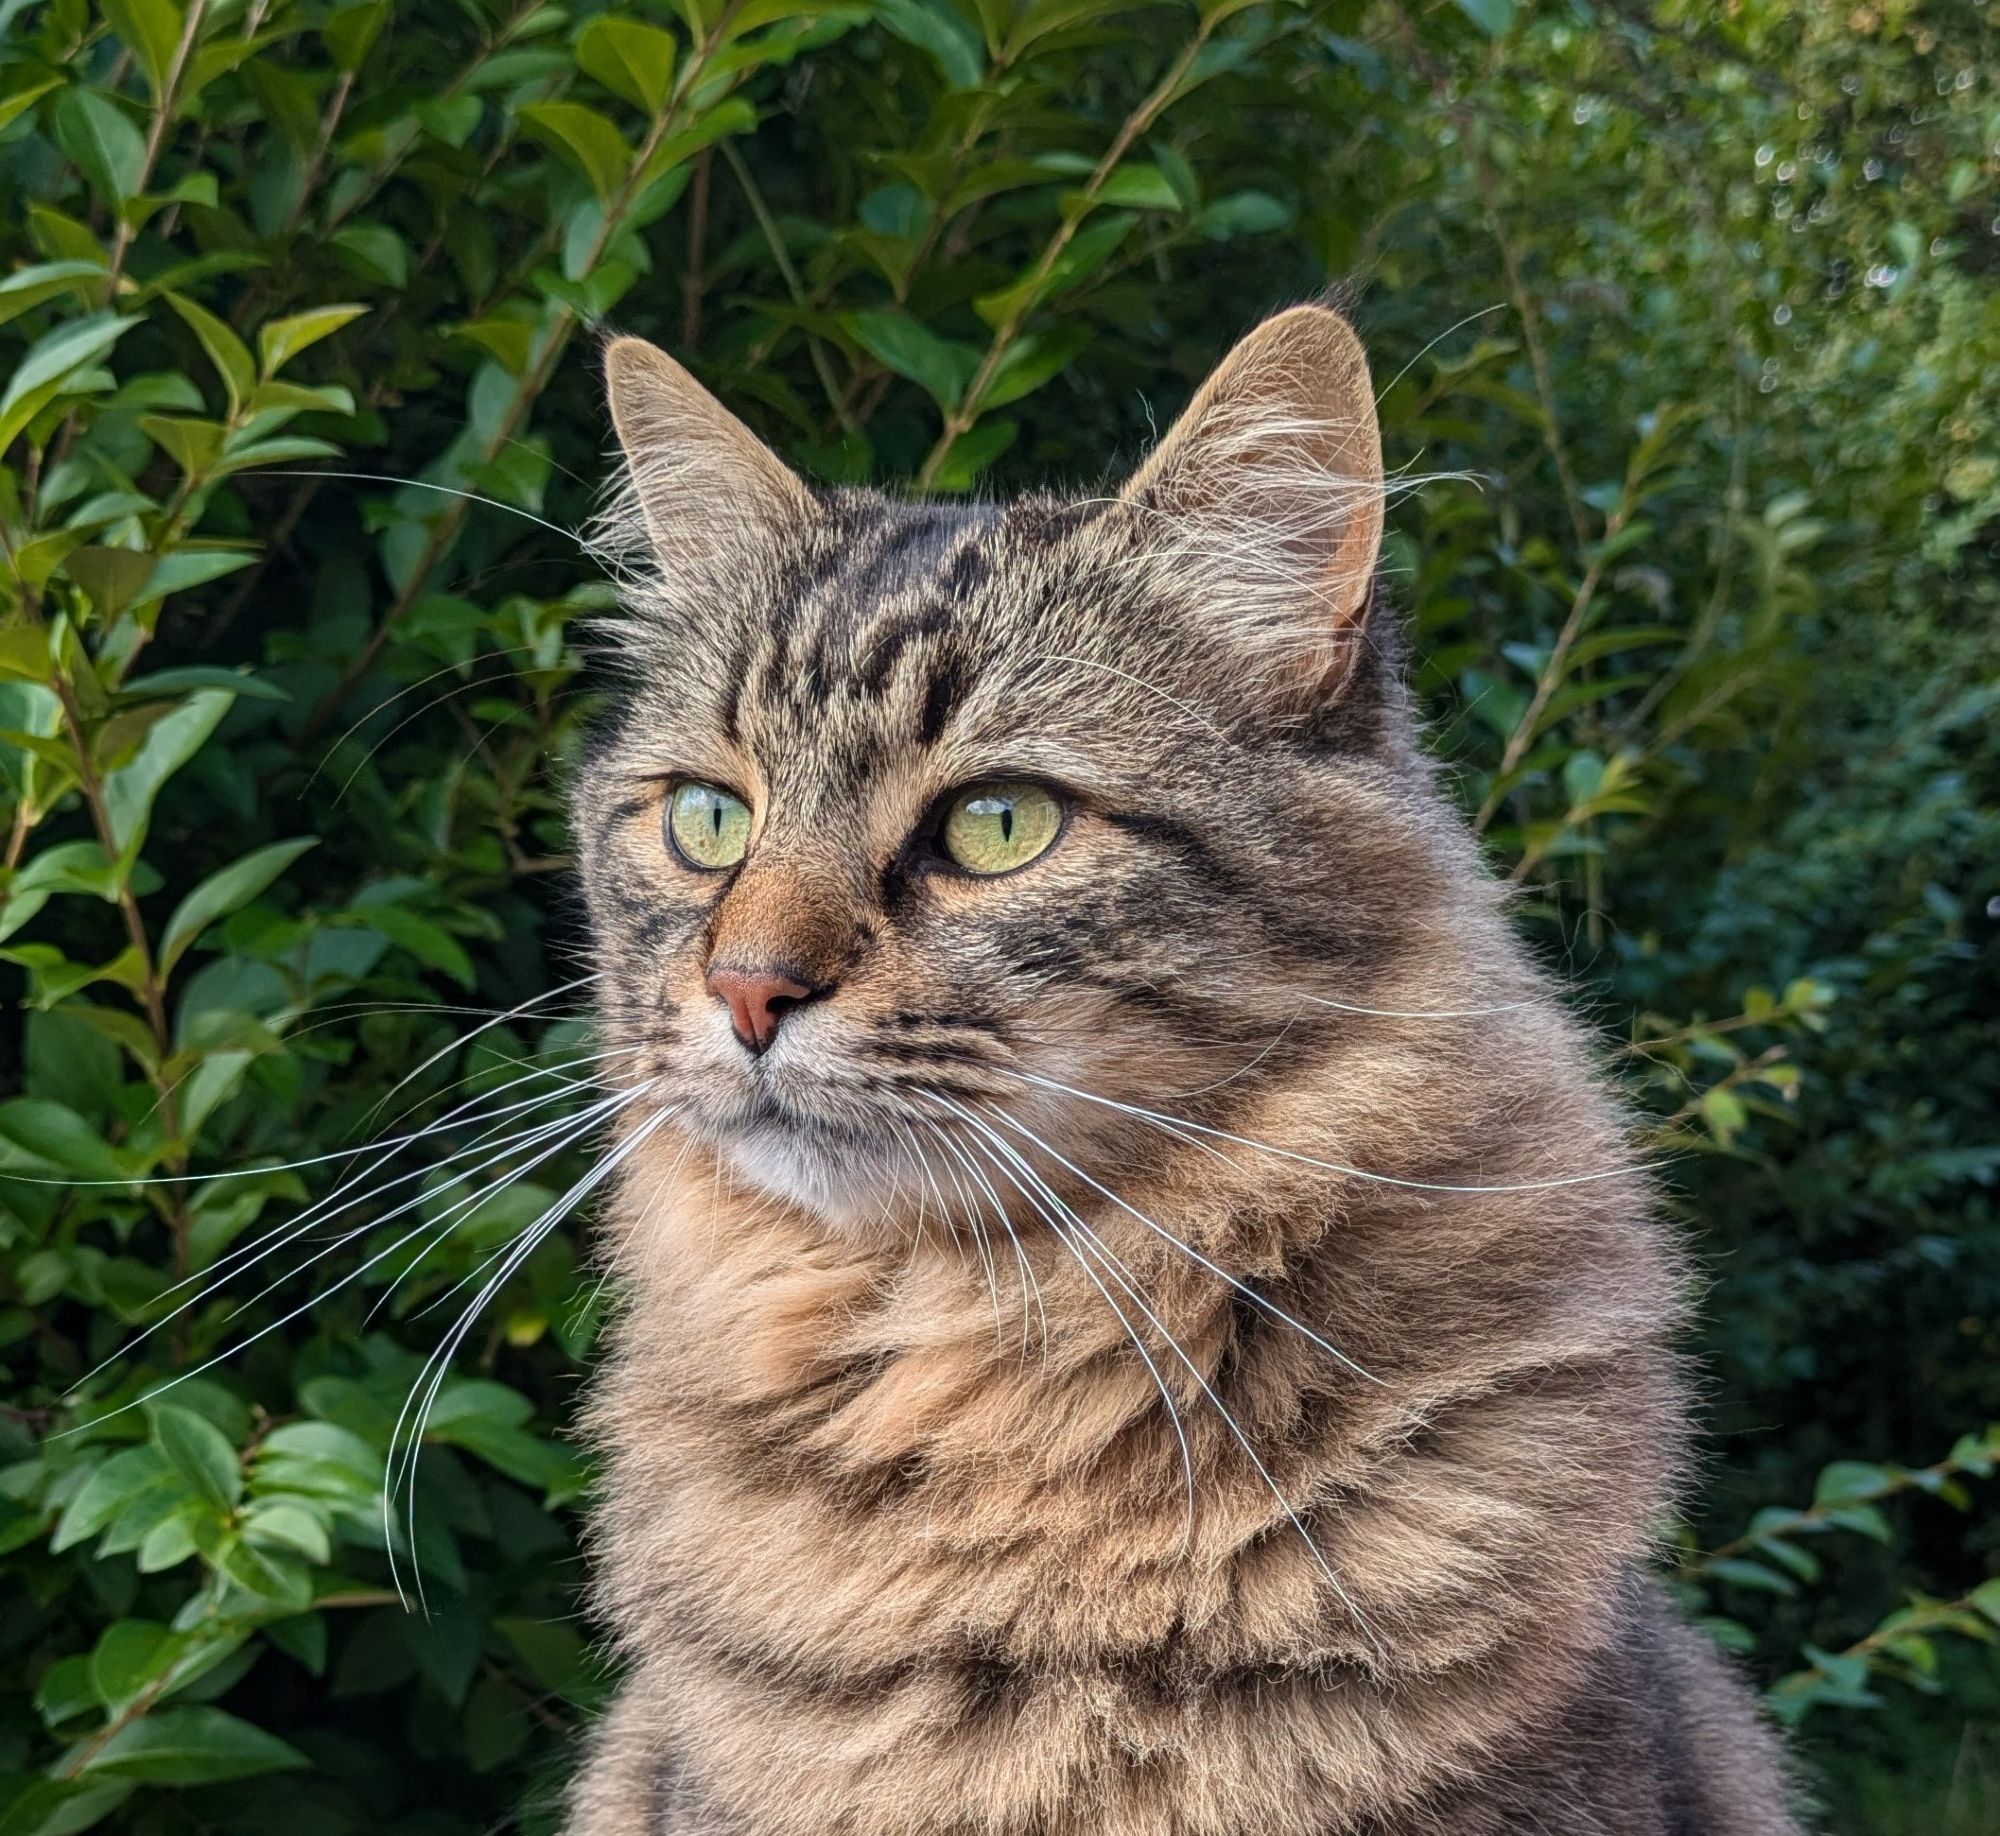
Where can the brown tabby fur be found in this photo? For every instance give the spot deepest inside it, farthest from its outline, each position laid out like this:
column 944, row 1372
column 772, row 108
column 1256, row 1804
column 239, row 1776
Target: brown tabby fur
column 897, row 1534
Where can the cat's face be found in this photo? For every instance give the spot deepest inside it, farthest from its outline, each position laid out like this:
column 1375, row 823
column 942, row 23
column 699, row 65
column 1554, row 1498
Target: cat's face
column 919, row 826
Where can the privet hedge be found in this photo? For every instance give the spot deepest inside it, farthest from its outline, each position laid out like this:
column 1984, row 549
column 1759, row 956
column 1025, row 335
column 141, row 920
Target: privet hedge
column 1687, row 316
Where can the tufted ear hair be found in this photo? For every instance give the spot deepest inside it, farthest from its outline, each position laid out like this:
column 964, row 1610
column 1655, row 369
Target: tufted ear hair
column 702, row 487
column 1266, row 495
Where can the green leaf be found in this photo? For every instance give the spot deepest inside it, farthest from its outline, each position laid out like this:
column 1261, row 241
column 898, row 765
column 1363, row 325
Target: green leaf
column 1243, row 213
column 429, row 942
column 30, row 286
column 130, row 790
column 52, row 360
column 1034, row 359
column 281, row 340
column 200, row 1452
column 1754, row 1575
column 227, row 890
column 131, row 1656
column 941, row 33
column 67, row 1690
column 225, row 350
column 99, row 136
column 201, row 675
column 195, row 446
column 374, row 251
column 151, row 30
column 352, row 31
column 583, row 137
column 632, row 59
column 912, row 349
column 19, row 101
column 972, row 452
column 1491, row 16
column 59, row 1138
column 1849, row 1481
column 113, row 577
column 122, row 1480
column 191, row 1746
column 1140, row 187
column 58, row 1807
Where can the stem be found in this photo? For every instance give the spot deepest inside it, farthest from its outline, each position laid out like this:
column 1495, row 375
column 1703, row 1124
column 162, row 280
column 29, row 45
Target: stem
column 1814, row 1517
column 768, row 225
column 691, row 280
column 156, row 135
column 1538, row 363
column 966, row 413
column 1523, row 735
column 152, row 992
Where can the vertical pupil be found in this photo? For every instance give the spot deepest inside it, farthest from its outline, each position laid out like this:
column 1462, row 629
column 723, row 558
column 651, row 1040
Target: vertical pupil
column 715, row 816
column 1006, row 822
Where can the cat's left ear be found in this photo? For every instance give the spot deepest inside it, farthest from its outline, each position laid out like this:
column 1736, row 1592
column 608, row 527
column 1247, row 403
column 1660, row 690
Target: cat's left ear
column 711, row 493
column 1267, row 495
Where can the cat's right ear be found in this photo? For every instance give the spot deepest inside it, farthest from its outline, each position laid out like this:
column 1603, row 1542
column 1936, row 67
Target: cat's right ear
column 708, row 489
column 1266, row 496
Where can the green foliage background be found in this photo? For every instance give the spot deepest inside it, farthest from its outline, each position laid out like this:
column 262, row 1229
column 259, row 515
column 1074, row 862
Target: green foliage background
column 1687, row 313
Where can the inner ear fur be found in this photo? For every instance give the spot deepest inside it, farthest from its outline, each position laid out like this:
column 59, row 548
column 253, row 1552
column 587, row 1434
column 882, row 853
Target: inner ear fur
column 705, row 485
column 1269, row 489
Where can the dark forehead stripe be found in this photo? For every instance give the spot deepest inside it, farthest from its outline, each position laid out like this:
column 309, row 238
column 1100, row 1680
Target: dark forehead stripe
column 888, row 582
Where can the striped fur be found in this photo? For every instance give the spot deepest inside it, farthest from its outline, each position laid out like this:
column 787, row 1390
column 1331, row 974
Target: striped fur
column 904, row 1530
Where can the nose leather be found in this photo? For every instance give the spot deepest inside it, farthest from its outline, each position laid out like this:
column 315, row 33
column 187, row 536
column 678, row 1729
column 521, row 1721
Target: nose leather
column 758, row 999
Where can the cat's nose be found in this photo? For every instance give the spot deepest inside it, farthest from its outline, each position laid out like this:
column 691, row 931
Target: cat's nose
column 757, row 999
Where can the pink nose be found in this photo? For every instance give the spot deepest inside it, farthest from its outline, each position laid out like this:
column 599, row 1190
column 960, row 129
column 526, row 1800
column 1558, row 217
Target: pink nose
column 758, row 999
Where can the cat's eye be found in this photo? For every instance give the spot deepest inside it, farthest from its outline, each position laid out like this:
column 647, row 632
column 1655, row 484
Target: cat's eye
column 994, row 828
column 707, row 827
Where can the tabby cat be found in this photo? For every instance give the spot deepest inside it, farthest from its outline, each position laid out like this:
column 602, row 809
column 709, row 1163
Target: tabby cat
column 1137, row 1314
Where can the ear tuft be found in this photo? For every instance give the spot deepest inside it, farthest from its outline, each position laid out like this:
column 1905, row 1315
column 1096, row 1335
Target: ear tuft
column 1268, row 490
column 705, row 489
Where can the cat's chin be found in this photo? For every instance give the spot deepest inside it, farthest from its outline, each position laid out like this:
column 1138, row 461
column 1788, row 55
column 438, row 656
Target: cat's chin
column 844, row 1179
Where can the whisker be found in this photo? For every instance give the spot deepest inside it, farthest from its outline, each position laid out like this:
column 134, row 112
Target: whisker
column 246, row 1256
column 984, row 1186
column 1172, row 1123
column 437, row 1366
column 1029, row 1282
column 424, row 484
column 1119, row 1273
column 1055, row 1222
column 1242, row 1440
column 1160, row 1230
column 1396, row 1013
column 241, row 1346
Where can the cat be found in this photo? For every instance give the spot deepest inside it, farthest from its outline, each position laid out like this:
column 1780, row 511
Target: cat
column 1137, row 1314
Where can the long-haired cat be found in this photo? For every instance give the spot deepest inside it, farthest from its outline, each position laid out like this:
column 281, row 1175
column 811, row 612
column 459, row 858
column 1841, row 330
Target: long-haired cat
column 1134, row 1321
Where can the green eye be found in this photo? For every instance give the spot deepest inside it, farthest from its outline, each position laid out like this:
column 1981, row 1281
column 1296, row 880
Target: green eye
column 994, row 828
column 708, row 828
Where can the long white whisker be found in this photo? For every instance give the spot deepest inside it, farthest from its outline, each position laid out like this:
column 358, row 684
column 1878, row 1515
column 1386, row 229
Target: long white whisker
column 247, row 1256
column 1332, row 1166
column 440, row 1360
column 1242, row 1440
column 1054, row 1220
column 1119, row 1273
column 1029, row 1281
column 1160, row 1230
column 424, row 484
column 1396, row 1013
column 243, row 1345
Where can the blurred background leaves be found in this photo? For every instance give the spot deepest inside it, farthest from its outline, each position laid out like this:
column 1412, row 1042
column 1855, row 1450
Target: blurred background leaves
column 1688, row 337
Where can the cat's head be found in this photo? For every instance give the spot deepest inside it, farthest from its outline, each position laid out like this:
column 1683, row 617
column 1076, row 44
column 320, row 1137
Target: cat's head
column 916, row 824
